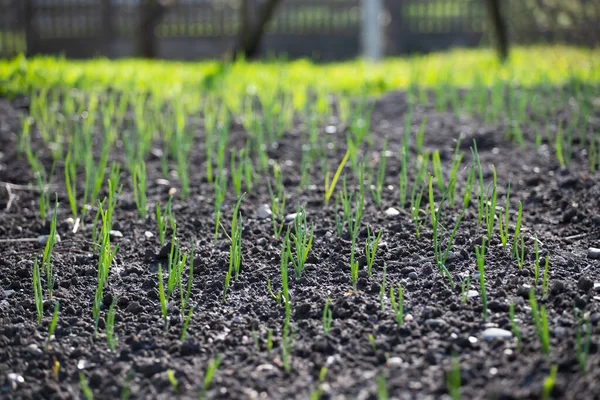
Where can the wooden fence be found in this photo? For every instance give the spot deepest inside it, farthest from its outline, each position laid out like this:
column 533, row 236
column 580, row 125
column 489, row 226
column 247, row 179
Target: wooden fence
column 322, row 29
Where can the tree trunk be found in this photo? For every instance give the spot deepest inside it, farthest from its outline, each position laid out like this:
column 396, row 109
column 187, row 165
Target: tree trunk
column 500, row 29
column 250, row 37
column 151, row 13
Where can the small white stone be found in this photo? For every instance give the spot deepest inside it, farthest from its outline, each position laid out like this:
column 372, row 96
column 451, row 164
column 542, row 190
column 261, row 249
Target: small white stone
column 263, row 212
column 115, row 234
column 34, row 349
column 15, row 380
column 266, row 368
column 394, row 362
column 496, row 333
column 472, row 293
column 149, row 234
column 593, row 253
column 392, row 212
column 408, row 318
column 43, row 239
column 290, row 217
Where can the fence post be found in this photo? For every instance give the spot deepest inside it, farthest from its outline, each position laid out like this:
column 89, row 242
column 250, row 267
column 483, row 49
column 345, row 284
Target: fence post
column 371, row 29
column 395, row 40
column 31, row 36
column 107, row 31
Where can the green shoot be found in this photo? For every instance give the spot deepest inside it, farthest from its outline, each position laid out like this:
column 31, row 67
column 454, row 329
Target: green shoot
column 372, row 343
column 583, row 349
column 53, row 323
column 549, row 383
column 327, row 317
column 536, row 263
column 466, row 284
column 213, row 366
column 37, row 291
column 111, row 337
column 490, row 207
column 277, row 203
column 330, row 186
column 503, row 226
column 276, row 297
column 480, row 255
column 453, row 380
column 162, row 297
column 398, row 305
column 545, row 277
column 302, row 240
column 354, row 266
column 173, row 380
column 318, row 392
column 377, row 189
column 85, row 388
column 46, row 262
column 538, row 314
column 235, row 249
column 138, row 181
column 382, row 392
column 480, row 194
column 517, row 230
column 186, row 323
column 371, row 246
column 513, row 324
column 70, row 182
column 382, row 289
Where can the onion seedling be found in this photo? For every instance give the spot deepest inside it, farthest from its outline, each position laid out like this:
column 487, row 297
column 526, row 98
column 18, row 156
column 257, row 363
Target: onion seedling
column 186, row 323
column 235, row 248
column 437, row 170
column 330, row 186
column 162, row 219
column 277, row 203
column 481, row 198
column 46, row 261
column 504, row 214
column 382, row 392
column 456, row 161
column 162, row 298
column 513, row 324
column 318, row 392
column 517, row 231
column 111, row 337
column 173, row 380
column 536, row 263
column 382, row 289
column 549, row 383
column 37, row 291
column 276, row 297
column 71, row 183
column 545, row 277
column 138, row 182
column 302, row 239
column 583, row 349
column 480, row 255
column 490, row 207
column 327, row 317
column 372, row 343
column 213, row 366
column 354, row 266
column 377, row 189
column 453, row 381
column 220, row 188
column 85, row 388
column 52, row 327
column 398, row 305
column 466, row 284
column 371, row 245
column 540, row 320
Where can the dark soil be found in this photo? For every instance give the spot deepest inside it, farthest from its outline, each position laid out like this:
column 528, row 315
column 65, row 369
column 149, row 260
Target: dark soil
column 560, row 206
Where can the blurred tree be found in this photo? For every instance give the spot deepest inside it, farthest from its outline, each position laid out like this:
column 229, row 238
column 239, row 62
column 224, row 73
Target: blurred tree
column 499, row 26
column 251, row 34
column 151, row 12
